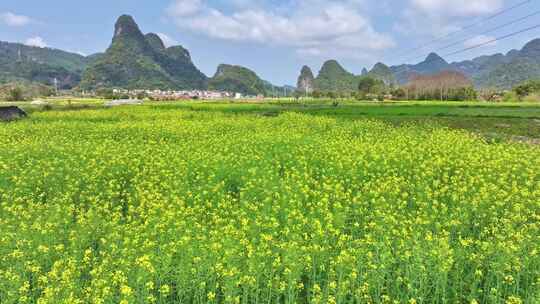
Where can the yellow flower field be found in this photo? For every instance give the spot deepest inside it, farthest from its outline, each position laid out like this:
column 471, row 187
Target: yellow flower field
column 167, row 205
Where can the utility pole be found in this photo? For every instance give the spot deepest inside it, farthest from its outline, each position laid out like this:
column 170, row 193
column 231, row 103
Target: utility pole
column 56, row 86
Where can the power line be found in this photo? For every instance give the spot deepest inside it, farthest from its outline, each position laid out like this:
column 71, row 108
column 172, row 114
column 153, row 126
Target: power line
column 481, row 44
column 494, row 40
column 501, row 12
column 485, row 32
column 491, row 30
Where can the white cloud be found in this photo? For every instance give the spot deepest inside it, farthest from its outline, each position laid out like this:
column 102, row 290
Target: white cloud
column 312, row 27
column 11, row 19
column 185, row 7
column 414, row 23
column 439, row 18
column 167, row 40
column 36, row 41
column 457, row 8
column 480, row 39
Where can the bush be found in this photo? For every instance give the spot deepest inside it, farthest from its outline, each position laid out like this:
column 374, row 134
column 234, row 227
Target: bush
column 527, row 88
column 331, row 95
column 399, row 93
column 370, row 85
column 15, row 94
column 463, row 94
column 510, row 96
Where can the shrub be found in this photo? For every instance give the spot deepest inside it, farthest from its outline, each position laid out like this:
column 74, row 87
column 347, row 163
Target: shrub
column 15, row 94
column 510, row 96
column 527, row 88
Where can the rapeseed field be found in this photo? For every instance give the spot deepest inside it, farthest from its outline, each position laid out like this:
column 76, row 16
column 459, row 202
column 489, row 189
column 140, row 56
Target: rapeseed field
column 169, row 205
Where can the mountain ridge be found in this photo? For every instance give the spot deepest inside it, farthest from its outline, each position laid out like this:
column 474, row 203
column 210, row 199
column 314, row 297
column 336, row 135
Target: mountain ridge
column 497, row 70
column 20, row 62
column 235, row 78
column 137, row 60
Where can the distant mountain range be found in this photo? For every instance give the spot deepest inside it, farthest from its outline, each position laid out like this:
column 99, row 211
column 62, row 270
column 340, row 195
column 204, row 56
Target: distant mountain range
column 499, row 70
column 137, row 60
column 19, row 62
column 333, row 77
column 496, row 71
column 133, row 60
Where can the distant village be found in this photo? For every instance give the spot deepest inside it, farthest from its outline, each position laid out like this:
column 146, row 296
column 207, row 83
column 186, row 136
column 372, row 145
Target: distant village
column 164, row 95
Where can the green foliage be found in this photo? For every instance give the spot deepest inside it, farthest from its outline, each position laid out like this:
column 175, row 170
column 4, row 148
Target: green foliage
column 510, row 96
column 370, row 85
column 317, row 94
column 508, row 75
column 155, row 42
column 463, row 94
column 333, row 77
column 383, row 73
column 20, row 62
column 237, row 79
column 15, row 94
column 454, row 94
column 137, row 61
column 527, row 88
column 331, row 94
column 505, row 72
column 24, row 90
column 399, row 93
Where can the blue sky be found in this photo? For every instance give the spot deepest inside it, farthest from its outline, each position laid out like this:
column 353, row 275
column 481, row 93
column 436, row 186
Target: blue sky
column 275, row 37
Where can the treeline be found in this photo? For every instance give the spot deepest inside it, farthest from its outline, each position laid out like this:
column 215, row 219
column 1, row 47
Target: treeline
column 24, row 91
column 444, row 86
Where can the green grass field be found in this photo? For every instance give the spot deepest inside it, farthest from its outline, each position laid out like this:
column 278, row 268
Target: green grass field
column 271, row 203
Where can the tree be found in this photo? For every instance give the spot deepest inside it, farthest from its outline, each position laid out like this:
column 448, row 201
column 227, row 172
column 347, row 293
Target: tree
column 15, row 94
column 527, row 88
column 399, row 93
column 370, row 85
column 316, row 94
column 446, row 85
